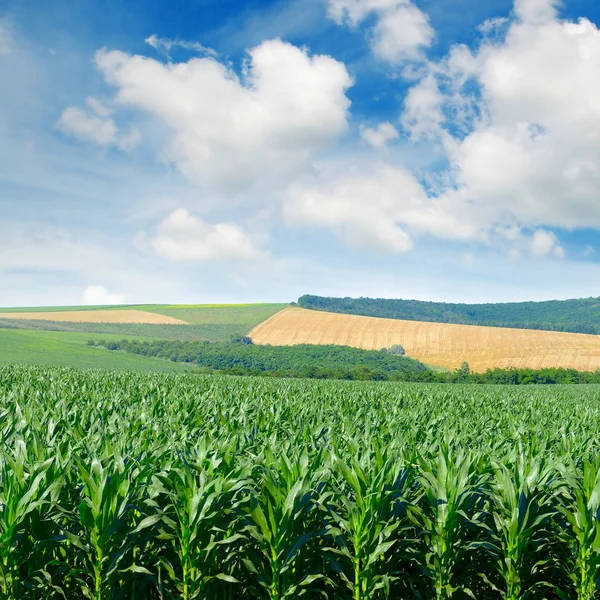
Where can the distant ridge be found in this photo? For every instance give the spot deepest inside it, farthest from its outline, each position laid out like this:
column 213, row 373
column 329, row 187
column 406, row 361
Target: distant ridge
column 576, row 316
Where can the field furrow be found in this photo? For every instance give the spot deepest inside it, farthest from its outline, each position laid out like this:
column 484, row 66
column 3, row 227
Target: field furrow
column 441, row 344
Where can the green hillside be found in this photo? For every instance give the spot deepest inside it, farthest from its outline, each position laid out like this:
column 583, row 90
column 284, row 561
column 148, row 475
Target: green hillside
column 71, row 349
column 47, row 342
column 577, row 316
column 210, row 322
column 241, row 316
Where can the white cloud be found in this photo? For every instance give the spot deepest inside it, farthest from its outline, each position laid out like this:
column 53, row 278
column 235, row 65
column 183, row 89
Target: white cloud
column 98, row 295
column 400, row 33
column 166, row 44
column 588, row 250
column 6, row 38
column 423, row 114
column 534, row 153
column 183, row 237
column 88, row 127
column 544, row 243
column 377, row 206
column 380, row 135
column 536, row 11
column 95, row 125
column 230, row 131
column 519, row 120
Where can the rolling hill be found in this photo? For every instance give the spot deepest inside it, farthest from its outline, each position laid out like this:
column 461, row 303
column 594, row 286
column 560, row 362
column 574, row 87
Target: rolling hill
column 60, row 335
column 440, row 344
column 576, row 316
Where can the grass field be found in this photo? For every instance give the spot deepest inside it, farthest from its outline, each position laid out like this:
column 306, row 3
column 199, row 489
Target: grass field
column 212, row 322
column 243, row 315
column 438, row 344
column 97, row 316
column 211, row 332
column 71, row 349
column 154, row 486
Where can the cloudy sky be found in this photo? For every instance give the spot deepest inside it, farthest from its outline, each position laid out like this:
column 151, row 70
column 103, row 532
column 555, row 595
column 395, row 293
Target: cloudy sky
column 257, row 150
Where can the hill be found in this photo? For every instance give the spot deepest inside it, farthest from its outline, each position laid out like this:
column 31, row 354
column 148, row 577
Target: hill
column 445, row 345
column 59, row 335
column 71, row 349
column 576, row 316
column 206, row 322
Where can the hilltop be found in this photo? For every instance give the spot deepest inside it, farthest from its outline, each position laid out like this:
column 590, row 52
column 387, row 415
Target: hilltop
column 575, row 316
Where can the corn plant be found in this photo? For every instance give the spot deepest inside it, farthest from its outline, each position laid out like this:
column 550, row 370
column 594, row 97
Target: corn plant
column 281, row 523
column 103, row 530
column 27, row 494
column 453, row 525
column 198, row 515
column 582, row 513
column 179, row 486
column 366, row 523
column 522, row 506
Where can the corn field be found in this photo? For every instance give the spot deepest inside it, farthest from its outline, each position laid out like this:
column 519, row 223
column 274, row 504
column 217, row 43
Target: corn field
column 123, row 485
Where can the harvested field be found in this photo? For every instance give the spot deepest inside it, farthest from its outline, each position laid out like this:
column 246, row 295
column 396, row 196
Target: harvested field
column 97, row 316
column 439, row 344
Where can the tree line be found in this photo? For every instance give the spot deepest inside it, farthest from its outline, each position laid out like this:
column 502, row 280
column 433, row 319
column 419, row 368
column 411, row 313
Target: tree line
column 332, row 362
column 576, row 316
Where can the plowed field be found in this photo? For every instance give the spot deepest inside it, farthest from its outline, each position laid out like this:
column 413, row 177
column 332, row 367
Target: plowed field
column 96, row 316
column 439, row 344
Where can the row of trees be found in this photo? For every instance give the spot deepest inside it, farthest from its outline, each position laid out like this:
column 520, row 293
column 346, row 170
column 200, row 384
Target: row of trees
column 304, row 360
column 333, row 362
column 578, row 316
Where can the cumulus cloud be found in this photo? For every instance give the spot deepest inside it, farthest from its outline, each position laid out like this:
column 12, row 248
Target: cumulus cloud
column 230, row 131
column 534, row 153
column 423, row 114
column 98, row 295
column 376, row 206
column 95, row 125
column 88, row 127
column 380, row 136
column 544, row 243
column 400, row 33
column 536, row 11
column 518, row 121
column 184, row 237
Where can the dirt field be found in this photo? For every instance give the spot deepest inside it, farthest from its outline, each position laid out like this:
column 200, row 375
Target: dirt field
column 434, row 343
column 96, row 316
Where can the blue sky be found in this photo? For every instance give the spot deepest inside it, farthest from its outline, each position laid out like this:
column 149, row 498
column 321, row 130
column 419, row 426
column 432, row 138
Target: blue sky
column 228, row 151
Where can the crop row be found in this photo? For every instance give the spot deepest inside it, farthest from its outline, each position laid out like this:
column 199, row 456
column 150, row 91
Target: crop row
column 178, row 486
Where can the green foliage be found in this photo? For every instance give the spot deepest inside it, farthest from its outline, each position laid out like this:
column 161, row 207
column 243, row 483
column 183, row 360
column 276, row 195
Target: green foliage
column 242, row 339
column 303, row 360
column 396, row 349
column 578, row 316
column 148, row 486
column 333, row 362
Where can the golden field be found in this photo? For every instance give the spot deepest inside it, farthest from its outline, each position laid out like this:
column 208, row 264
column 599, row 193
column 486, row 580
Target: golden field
column 96, row 316
column 440, row 344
